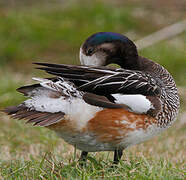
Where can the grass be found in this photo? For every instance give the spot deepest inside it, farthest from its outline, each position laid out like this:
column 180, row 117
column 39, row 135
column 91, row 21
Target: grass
column 30, row 32
column 97, row 170
column 54, row 33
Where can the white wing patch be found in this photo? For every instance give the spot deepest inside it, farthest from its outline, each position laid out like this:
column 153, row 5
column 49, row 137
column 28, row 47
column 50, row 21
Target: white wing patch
column 43, row 99
column 138, row 103
column 44, row 103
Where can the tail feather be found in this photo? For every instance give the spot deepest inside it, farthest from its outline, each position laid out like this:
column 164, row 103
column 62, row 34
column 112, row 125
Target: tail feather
column 54, row 118
column 12, row 109
column 27, row 89
column 33, row 116
column 48, row 101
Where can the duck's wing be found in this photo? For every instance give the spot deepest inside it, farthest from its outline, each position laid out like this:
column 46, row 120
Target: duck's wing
column 102, row 101
column 79, row 75
column 103, row 80
column 128, row 82
column 49, row 101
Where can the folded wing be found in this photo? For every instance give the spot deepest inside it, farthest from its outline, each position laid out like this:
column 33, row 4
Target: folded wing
column 104, row 81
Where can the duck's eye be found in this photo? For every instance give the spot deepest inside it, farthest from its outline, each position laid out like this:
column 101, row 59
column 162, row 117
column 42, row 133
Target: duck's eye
column 90, row 51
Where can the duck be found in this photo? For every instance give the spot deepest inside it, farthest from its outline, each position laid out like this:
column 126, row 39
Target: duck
column 95, row 107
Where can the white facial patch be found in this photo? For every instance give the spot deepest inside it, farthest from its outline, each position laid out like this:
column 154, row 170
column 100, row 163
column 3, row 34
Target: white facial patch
column 93, row 60
column 137, row 103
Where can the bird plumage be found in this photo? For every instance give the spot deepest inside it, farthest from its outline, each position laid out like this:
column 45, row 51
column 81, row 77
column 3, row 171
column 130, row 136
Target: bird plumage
column 102, row 108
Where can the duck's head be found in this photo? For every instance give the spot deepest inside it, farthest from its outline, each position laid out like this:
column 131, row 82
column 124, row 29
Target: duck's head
column 104, row 48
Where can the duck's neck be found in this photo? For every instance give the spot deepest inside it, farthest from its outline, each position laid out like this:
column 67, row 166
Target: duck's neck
column 131, row 63
column 151, row 67
column 125, row 55
column 137, row 63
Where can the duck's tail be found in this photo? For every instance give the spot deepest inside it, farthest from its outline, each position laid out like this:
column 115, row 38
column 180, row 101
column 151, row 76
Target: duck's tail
column 48, row 101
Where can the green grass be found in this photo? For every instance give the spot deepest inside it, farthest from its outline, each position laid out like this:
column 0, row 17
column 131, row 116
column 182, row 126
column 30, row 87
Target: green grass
column 135, row 169
column 54, row 33
column 34, row 32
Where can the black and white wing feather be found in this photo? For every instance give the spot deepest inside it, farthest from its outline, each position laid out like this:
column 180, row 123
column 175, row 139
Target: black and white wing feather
column 128, row 82
column 104, row 80
column 79, row 75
